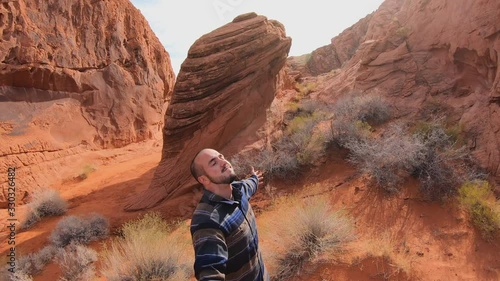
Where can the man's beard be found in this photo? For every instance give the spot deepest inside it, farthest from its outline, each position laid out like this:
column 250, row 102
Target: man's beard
column 223, row 179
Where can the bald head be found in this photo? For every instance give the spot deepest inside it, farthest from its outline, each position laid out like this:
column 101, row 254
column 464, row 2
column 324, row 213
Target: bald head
column 197, row 169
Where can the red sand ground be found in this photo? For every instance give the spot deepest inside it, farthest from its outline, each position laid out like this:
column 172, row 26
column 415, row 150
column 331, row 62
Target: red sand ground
column 436, row 239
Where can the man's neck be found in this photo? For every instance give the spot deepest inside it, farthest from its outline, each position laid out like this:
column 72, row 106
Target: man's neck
column 224, row 190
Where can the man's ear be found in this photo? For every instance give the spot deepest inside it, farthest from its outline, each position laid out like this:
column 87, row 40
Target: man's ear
column 203, row 180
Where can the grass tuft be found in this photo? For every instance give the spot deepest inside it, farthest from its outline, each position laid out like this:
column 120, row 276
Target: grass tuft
column 149, row 250
column 314, row 229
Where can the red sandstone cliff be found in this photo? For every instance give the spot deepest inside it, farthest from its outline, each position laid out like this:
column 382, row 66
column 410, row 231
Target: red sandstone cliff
column 76, row 75
column 426, row 53
column 224, row 87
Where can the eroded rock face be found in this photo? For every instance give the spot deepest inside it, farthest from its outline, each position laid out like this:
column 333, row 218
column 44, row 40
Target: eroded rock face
column 341, row 50
column 224, row 87
column 441, row 54
column 76, row 75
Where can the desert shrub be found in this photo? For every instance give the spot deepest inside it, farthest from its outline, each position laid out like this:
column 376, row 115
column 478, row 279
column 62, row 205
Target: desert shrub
column 301, row 123
column 47, row 202
column 443, row 164
column 355, row 115
column 16, row 276
column 148, row 250
column 346, row 131
column 86, row 170
column 76, row 262
column 316, row 229
column 303, row 138
column 275, row 163
column 312, row 106
column 306, row 88
column 301, row 144
column 371, row 108
column 388, row 160
column 430, row 154
column 81, row 230
column 33, row 263
column 313, row 149
column 475, row 197
column 399, row 257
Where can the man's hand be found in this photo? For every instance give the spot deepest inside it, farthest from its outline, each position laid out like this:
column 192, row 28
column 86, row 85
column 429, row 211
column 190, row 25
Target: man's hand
column 258, row 174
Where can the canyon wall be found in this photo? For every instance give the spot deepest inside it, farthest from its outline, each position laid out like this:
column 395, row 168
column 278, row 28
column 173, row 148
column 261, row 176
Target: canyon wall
column 76, row 76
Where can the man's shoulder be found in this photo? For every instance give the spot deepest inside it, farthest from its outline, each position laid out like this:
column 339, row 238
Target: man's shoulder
column 206, row 214
column 215, row 215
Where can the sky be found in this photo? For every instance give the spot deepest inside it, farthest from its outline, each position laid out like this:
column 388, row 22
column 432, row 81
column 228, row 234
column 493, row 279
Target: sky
column 311, row 24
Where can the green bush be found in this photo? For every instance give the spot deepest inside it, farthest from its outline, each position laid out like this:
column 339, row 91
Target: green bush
column 475, row 196
column 305, row 88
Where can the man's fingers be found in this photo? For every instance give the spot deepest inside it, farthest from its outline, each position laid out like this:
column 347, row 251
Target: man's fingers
column 258, row 174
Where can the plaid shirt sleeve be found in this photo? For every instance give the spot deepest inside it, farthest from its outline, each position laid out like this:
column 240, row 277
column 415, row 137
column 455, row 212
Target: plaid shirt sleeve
column 210, row 254
column 250, row 185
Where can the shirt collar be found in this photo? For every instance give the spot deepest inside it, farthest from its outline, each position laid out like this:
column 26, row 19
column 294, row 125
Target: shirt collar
column 219, row 199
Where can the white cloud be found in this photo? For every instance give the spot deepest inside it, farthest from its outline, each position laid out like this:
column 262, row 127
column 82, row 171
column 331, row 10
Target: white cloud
column 311, row 24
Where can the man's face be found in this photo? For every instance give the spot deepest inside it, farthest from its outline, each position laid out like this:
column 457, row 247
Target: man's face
column 217, row 169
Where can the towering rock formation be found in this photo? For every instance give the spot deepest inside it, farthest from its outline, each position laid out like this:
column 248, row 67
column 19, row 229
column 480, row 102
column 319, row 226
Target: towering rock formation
column 421, row 54
column 76, row 75
column 224, row 87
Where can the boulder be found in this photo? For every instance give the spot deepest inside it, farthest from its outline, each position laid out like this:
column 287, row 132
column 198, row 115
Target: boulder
column 225, row 85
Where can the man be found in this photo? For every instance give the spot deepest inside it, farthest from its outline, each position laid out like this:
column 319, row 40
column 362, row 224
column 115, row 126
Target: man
column 223, row 225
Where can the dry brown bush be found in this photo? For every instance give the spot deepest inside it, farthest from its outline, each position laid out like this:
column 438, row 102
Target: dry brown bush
column 304, row 230
column 76, row 262
column 79, row 229
column 44, row 203
column 149, row 250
